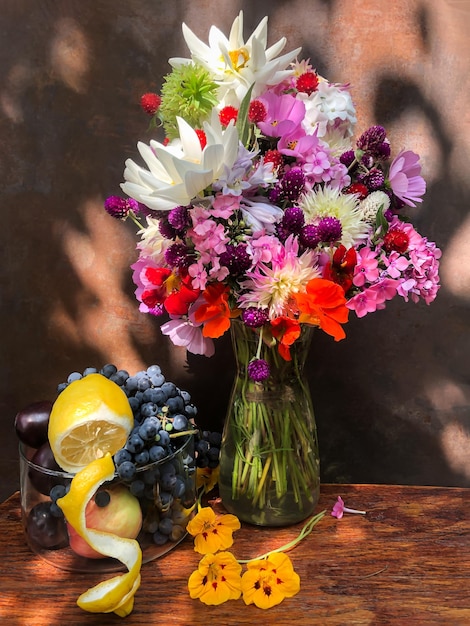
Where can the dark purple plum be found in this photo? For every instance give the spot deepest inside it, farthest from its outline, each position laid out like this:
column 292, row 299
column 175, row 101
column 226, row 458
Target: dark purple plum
column 31, row 423
column 43, row 481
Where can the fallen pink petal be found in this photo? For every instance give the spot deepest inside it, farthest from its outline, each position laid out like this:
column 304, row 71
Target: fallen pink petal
column 339, row 509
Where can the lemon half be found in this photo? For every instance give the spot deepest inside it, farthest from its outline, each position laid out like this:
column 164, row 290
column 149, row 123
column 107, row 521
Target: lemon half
column 90, row 418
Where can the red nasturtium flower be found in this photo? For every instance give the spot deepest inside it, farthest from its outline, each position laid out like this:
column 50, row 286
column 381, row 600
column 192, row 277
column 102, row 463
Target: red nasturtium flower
column 341, row 268
column 323, row 304
column 214, row 313
column 179, row 300
column 286, row 331
column 156, row 293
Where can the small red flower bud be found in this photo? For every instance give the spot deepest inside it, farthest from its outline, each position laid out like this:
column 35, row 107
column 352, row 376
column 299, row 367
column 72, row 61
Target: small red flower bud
column 256, row 112
column 359, row 189
column 396, row 240
column 227, row 114
column 202, row 137
column 150, row 102
column 307, row 82
column 274, row 157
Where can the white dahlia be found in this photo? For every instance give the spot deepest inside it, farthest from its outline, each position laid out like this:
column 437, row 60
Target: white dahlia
column 328, row 202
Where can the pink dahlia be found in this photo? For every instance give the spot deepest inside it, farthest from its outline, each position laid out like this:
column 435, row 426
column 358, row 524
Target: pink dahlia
column 405, row 178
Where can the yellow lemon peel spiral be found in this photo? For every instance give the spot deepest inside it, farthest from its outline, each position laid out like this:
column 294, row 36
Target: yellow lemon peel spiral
column 115, row 595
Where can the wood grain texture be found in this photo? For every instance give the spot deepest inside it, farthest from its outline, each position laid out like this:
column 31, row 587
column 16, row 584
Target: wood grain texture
column 407, row 561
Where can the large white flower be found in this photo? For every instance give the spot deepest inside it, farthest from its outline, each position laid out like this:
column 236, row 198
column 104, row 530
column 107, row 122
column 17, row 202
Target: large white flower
column 181, row 171
column 236, row 64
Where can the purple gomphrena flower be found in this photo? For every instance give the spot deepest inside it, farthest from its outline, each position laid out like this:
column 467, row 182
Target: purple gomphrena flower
column 275, row 194
column 329, row 229
column 347, row 158
column 293, row 183
column 372, row 141
column 167, row 230
column 254, row 318
column 374, row 179
column 309, row 236
column 236, row 259
column 293, row 219
column 367, row 160
column 258, row 370
column 178, row 255
column 117, row 207
column 383, row 151
column 179, row 218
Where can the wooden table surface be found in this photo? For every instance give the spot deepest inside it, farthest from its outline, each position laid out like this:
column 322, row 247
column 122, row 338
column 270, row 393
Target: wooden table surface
column 407, row 561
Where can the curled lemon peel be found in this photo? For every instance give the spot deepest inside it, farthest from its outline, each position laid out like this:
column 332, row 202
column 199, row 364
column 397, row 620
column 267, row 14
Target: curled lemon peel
column 115, row 595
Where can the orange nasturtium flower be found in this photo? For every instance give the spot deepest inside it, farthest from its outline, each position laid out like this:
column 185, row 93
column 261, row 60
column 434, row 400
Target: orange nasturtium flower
column 212, row 532
column 217, row 579
column 268, row 581
column 286, row 331
column 214, row 313
column 323, row 304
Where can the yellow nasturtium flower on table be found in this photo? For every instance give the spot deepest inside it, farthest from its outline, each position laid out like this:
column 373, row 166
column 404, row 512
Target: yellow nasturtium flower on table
column 268, row 581
column 212, row 532
column 217, row 579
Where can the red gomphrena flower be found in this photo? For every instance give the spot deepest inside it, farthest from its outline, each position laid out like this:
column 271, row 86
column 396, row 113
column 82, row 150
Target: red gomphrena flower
column 358, row 188
column 274, row 157
column 150, row 102
column 201, row 135
column 227, row 114
column 307, row 82
column 256, row 112
column 396, row 240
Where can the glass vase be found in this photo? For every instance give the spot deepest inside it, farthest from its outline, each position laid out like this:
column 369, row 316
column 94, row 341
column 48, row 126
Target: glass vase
column 269, row 462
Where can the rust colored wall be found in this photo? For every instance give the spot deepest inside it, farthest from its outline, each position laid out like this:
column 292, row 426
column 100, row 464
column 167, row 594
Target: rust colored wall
column 392, row 401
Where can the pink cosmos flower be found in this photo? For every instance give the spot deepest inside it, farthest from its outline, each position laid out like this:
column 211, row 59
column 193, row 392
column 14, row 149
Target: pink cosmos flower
column 188, row 334
column 284, row 114
column 405, row 178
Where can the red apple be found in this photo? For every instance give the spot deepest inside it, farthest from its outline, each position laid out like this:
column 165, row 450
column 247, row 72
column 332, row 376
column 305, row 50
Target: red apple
column 122, row 516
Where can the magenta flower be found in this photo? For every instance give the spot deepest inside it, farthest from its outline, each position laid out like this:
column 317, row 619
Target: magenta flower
column 405, row 178
column 339, row 509
column 284, row 114
column 366, row 269
column 188, row 334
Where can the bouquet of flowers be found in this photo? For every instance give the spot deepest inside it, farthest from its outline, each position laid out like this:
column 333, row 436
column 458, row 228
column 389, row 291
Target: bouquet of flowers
column 262, row 206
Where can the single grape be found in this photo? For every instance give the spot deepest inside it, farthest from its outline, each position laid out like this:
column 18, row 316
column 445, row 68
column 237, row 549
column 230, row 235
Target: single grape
column 148, row 409
column 102, row 498
column 157, row 453
column 180, row 422
column 89, row 370
column 135, row 443
column 165, row 526
column 126, row 470
column 137, row 488
column 108, row 370
column 163, row 438
column 169, row 389
column 74, row 376
column 157, row 380
column 175, row 404
column 121, row 456
column 153, row 369
column 159, row 538
column 142, row 458
column 58, row 491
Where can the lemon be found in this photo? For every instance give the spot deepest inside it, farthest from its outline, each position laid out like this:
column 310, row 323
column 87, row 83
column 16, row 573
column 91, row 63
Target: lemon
column 115, row 595
column 90, row 417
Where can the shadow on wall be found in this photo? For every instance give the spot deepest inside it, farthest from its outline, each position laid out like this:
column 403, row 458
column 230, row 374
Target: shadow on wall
column 72, row 76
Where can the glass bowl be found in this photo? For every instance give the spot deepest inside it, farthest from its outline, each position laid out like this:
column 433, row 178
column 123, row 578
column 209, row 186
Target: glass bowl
column 166, row 494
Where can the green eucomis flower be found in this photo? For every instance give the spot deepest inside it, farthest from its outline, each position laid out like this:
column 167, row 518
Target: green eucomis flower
column 188, row 92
